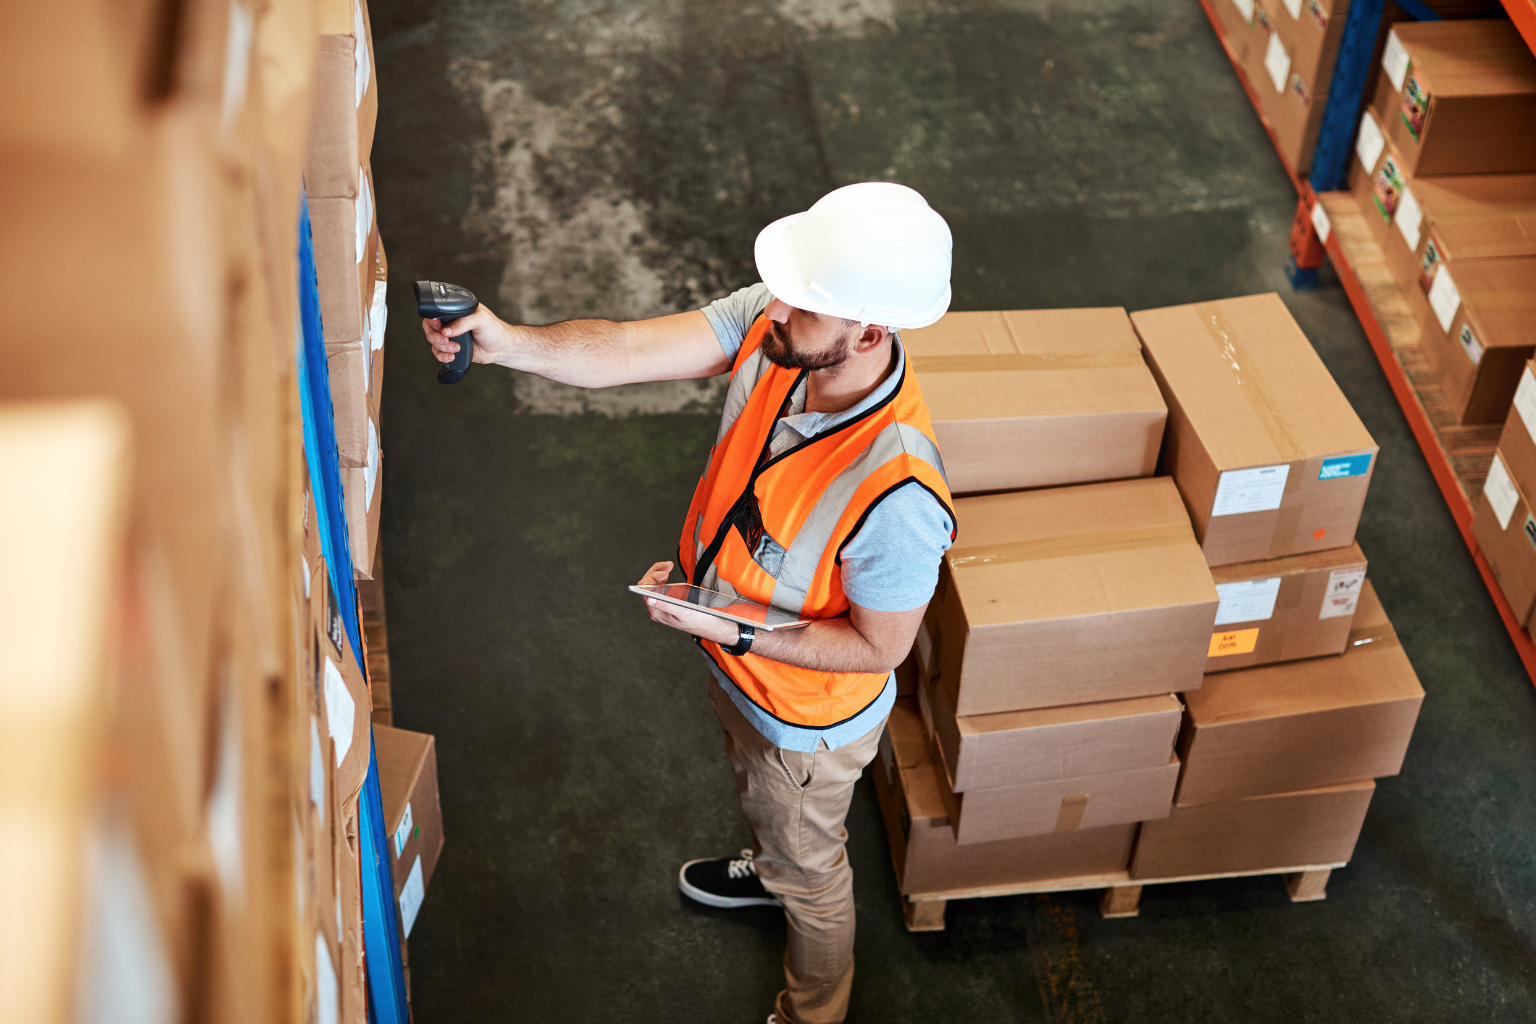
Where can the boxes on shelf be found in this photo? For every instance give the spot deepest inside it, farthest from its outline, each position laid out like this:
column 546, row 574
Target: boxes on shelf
column 1481, row 331
column 413, row 818
column 343, row 691
column 1267, row 452
column 362, row 490
column 1302, row 724
column 1019, row 748
column 1071, row 595
column 1282, row 610
column 1292, row 103
column 1376, row 178
column 344, row 105
column 345, row 232
column 1459, row 219
column 1517, row 444
column 1311, row 828
column 923, row 846
column 1240, row 24
column 1310, row 31
column 1038, row 398
column 1506, row 534
column 1458, row 97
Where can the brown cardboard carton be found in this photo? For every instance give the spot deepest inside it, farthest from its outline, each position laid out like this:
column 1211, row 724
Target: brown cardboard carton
column 1310, row 30
column 1072, row 595
column 923, row 846
column 345, row 233
column 1312, row 828
column 344, row 106
column 1481, row 333
column 1465, row 97
column 1302, row 724
column 1266, row 450
column 1459, row 218
column 1059, row 805
column 1239, row 25
column 412, row 814
column 1506, row 535
column 1038, row 398
column 1297, row 607
column 343, row 692
column 1291, row 104
column 378, row 319
column 363, row 494
column 1376, row 185
column 352, row 968
column 1019, row 748
column 1517, row 444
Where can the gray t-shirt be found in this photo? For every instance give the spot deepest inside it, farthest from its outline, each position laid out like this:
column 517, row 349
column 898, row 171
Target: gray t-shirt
column 892, row 563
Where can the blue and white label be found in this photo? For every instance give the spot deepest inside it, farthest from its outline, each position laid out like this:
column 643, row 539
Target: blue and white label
column 403, row 833
column 1343, row 466
column 1250, row 490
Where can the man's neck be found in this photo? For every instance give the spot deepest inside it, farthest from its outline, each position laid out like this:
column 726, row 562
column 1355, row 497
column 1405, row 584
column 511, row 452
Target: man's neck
column 845, row 386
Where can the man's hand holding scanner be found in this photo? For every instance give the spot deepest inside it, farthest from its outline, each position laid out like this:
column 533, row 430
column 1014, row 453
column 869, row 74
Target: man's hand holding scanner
column 492, row 338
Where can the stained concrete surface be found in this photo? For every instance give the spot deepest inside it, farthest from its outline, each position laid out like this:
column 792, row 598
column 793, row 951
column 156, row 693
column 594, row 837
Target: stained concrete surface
column 567, row 158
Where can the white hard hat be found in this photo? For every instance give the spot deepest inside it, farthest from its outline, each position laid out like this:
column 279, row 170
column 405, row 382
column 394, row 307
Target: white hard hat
column 875, row 252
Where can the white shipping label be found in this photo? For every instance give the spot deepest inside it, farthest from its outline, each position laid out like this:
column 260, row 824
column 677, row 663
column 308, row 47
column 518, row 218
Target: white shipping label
column 1246, row 600
column 371, row 472
column 316, row 769
column 1394, row 60
column 1277, row 62
column 1343, row 593
column 364, row 214
column 304, row 564
column 1409, row 218
column 1444, row 299
column 1320, row 222
column 367, row 349
column 1369, row 143
column 1525, row 402
column 403, row 833
column 327, row 994
column 237, row 60
column 1250, row 490
column 340, row 709
column 1245, row 8
column 359, row 52
column 1292, row 7
column 411, row 894
column 378, row 316
column 1500, row 490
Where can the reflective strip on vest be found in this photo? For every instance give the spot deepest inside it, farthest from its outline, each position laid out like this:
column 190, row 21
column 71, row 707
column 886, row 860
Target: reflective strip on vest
column 798, row 570
column 743, row 381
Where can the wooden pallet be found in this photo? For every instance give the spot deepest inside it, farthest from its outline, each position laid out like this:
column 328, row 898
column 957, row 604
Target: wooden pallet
column 1121, row 895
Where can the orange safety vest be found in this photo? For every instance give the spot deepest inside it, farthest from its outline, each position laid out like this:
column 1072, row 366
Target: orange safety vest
column 784, row 547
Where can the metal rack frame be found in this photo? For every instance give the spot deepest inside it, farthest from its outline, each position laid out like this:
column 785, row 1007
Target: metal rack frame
column 1330, row 164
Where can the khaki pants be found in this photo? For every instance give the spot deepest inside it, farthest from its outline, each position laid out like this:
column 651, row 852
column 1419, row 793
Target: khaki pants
column 795, row 804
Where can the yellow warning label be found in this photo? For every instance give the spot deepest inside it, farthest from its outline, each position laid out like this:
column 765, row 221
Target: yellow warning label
column 1234, row 641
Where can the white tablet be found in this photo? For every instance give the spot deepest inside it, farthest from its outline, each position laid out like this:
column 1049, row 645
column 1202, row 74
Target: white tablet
column 723, row 606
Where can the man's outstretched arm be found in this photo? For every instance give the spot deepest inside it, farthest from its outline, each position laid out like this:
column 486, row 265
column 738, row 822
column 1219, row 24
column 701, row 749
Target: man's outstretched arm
column 590, row 353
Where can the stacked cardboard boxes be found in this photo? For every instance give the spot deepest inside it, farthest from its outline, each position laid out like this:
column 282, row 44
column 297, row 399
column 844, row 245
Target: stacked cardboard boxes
column 1502, row 518
column 1445, row 179
column 1124, row 676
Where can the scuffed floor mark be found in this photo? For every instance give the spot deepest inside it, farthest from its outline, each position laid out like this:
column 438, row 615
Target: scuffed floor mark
column 1067, row 992
column 852, row 19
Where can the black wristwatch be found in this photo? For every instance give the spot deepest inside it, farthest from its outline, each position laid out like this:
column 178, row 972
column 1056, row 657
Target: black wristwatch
column 744, row 637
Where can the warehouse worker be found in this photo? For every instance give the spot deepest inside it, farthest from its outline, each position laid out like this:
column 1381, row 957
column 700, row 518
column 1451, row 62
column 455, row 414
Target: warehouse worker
column 824, row 495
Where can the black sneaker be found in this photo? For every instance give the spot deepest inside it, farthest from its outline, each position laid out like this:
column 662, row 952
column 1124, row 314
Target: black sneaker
column 729, row 882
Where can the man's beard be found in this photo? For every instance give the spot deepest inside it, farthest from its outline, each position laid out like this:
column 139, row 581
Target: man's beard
column 778, row 350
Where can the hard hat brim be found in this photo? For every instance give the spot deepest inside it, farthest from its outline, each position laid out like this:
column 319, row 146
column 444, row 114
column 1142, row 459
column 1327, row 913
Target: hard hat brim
column 776, row 266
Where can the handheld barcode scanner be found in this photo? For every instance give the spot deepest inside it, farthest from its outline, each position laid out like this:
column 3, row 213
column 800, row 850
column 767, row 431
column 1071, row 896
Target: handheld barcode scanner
column 438, row 300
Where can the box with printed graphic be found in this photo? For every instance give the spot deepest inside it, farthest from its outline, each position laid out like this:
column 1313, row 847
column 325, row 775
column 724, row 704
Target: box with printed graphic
column 1113, row 789
column 1285, row 609
column 1505, row 529
column 1376, row 177
column 1312, row 827
column 1302, row 724
column 1458, row 220
column 1038, row 398
column 1267, row 452
column 1480, row 332
column 413, row 817
column 1071, row 595
column 1457, row 97
column 924, row 851
column 1282, row 71
column 1517, row 444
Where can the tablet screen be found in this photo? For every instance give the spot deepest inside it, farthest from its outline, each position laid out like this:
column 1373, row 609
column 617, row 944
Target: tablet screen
column 725, row 606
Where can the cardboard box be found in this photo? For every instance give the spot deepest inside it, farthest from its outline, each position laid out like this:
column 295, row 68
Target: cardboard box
column 412, row 813
column 1291, row 104
column 1311, row 31
column 1297, row 607
column 1038, row 398
column 1461, row 218
column 378, row 319
column 1270, row 457
column 343, row 692
column 352, row 967
column 1376, row 177
column 1517, row 444
column 1481, row 333
column 1303, row 724
column 1072, row 595
column 1465, row 97
column 1021, row 748
column 1312, row 828
column 1239, row 26
column 363, row 497
column 344, row 105
column 1506, row 535
column 345, row 233
column 1060, row 805
column 923, row 847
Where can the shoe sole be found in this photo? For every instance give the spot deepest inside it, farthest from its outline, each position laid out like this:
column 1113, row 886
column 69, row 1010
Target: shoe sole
column 709, row 899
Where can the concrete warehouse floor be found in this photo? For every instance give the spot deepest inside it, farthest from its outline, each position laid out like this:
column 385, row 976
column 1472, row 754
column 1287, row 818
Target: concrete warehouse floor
column 566, row 158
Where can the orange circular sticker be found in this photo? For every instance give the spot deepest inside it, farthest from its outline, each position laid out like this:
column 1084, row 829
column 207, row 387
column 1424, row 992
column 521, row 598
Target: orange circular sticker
column 1319, row 533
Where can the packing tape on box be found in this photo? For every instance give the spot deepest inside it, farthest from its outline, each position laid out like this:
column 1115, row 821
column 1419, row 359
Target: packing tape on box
column 1005, row 361
column 1077, row 544
column 1070, row 817
column 1376, row 636
column 1237, row 360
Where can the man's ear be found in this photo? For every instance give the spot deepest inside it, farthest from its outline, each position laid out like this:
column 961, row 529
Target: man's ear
column 871, row 337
